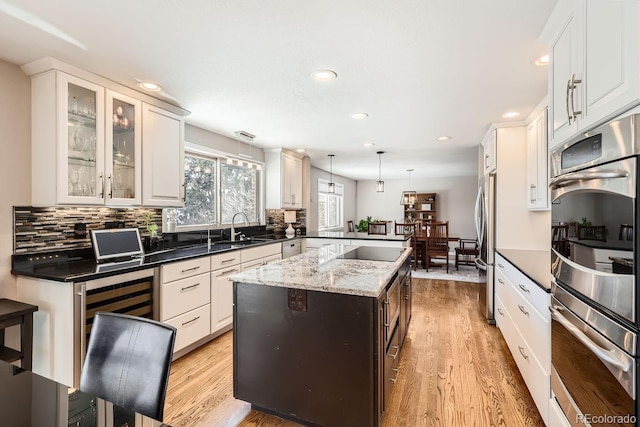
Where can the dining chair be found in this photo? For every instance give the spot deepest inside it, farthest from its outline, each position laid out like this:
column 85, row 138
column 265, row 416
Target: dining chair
column 379, row 227
column 128, row 362
column 559, row 242
column 418, row 244
column 403, row 228
column 437, row 242
column 466, row 252
column 626, row 232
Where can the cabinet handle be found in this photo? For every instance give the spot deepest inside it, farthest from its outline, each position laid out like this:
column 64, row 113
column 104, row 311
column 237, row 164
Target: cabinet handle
column 574, row 82
column 184, row 194
column 227, row 272
column 224, row 261
column 190, row 321
column 524, row 289
column 567, row 101
column 190, row 269
column 101, row 186
column 397, row 371
column 110, row 187
column 500, row 265
column 501, row 312
column 486, row 160
column 406, row 297
column 190, row 287
column 522, row 353
column 501, row 281
column 523, row 310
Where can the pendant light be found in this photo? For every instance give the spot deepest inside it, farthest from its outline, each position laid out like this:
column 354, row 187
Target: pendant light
column 380, row 183
column 332, row 185
column 409, row 196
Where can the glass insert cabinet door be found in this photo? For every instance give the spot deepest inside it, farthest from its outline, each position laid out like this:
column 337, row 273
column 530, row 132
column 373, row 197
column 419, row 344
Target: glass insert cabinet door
column 123, row 150
column 81, row 158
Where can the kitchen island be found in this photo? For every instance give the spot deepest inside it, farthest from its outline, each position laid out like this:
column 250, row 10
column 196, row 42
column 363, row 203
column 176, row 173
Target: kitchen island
column 317, row 337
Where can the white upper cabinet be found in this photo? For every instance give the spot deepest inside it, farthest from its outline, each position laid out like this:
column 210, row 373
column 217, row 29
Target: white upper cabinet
column 163, row 158
column 87, row 142
column 537, row 163
column 594, row 64
column 284, row 180
column 489, row 147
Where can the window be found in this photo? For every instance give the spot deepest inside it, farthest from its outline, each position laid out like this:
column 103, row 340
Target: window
column 216, row 188
column 330, row 207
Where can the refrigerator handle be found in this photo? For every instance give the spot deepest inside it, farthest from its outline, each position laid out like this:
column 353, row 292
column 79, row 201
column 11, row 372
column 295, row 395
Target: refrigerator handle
column 478, row 212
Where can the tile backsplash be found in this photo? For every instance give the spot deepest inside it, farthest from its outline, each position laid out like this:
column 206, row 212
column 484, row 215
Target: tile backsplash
column 59, row 228
column 275, row 219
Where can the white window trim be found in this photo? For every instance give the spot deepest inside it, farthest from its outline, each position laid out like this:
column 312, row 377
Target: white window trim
column 340, row 191
column 220, row 156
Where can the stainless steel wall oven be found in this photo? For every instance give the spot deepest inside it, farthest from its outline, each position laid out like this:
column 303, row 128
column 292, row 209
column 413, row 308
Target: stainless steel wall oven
column 594, row 309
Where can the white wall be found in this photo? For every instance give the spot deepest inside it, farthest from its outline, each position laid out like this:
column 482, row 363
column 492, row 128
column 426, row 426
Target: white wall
column 349, row 198
column 15, row 162
column 516, row 226
column 455, row 201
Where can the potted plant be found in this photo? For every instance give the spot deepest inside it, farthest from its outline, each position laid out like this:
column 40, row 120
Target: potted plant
column 150, row 241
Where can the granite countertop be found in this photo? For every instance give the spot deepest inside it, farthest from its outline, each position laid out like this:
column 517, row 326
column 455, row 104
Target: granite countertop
column 65, row 267
column 323, row 270
column 355, row 235
column 535, row 264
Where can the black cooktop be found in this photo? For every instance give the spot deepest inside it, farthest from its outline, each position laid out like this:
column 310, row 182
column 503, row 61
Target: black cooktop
column 371, row 253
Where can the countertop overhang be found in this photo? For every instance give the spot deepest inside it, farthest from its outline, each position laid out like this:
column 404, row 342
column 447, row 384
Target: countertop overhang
column 356, row 235
column 323, row 270
column 535, row 264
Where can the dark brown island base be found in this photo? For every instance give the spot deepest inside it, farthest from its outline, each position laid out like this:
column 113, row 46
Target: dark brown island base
column 317, row 337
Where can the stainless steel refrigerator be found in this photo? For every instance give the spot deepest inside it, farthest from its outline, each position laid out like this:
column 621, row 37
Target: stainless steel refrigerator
column 485, row 214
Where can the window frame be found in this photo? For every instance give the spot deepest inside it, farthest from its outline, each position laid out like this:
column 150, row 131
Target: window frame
column 323, row 183
column 220, row 158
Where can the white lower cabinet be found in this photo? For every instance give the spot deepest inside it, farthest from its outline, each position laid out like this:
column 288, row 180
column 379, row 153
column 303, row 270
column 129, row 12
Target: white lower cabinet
column 522, row 314
column 185, row 298
column 556, row 416
column 222, row 289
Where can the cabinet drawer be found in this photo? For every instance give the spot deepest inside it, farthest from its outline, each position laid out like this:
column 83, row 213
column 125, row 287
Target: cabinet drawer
column 224, row 260
column 191, row 326
column 252, row 264
column 251, row 254
column 272, row 258
column 538, row 297
column 182, row 269
column 535, row 377
column 531, row 324
column 183, row 295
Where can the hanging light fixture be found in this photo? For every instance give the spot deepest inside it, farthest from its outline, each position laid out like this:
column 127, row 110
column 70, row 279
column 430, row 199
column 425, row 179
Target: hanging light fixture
column 409, row 196
column 332, row 185
column 380, row 183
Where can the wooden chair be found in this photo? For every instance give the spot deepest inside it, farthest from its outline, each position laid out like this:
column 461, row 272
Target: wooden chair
column 403, row 228
column 379, row 227
column 418, row 244
column 467, row 252
column 438, row 242
column 559, row 240
column 592, row 232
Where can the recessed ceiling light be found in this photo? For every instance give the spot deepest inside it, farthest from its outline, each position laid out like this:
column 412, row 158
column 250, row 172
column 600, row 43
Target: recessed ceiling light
column 324, row 75
column 443, row 138
column 543, row 60
column 152, row 87
column 359, row 116
column 301, row 150
column 510, row 114
column 368, row 144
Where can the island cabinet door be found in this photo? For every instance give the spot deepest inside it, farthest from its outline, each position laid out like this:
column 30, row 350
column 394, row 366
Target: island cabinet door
column 306, row 355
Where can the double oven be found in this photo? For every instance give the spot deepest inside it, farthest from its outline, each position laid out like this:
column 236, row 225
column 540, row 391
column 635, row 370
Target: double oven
column 595, row 301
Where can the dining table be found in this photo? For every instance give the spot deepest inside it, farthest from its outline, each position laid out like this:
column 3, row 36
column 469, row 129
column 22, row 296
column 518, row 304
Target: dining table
column 421, row 237
column 31, row 400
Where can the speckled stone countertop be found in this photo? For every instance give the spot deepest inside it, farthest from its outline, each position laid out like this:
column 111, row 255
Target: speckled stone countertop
column 324, row 270
column 354, row 235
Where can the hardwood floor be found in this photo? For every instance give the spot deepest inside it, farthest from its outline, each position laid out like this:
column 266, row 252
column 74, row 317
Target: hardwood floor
column 455, row 370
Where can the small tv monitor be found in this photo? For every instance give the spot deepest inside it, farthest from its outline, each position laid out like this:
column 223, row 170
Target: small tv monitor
column 116, row 243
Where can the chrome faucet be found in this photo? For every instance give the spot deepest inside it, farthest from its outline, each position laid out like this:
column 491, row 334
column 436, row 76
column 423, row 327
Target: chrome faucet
column 233, row 224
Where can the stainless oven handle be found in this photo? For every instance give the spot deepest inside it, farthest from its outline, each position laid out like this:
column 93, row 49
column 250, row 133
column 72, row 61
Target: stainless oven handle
column 565, row 180
column 603, row 354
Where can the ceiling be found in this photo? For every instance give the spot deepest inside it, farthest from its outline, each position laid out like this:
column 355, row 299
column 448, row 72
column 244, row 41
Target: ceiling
column 419, row 68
